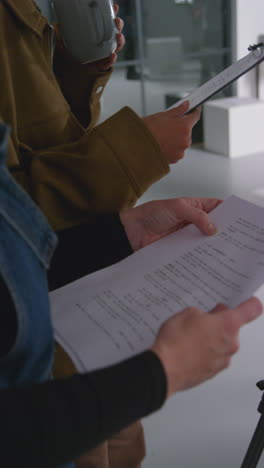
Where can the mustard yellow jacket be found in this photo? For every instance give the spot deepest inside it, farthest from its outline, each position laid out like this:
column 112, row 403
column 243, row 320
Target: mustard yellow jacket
column 66, row 163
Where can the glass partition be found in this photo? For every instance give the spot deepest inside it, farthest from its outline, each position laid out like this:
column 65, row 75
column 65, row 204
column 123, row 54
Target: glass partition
column 172, row 46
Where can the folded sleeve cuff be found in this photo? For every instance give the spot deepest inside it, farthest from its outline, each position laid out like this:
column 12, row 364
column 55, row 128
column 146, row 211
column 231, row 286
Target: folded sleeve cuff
column 135, row 148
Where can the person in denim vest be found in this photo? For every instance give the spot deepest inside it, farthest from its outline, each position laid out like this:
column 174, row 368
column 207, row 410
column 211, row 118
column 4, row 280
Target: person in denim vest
column 45, row 422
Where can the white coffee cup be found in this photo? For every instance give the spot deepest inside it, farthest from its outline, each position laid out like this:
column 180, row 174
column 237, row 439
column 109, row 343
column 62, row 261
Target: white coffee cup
column 87, row 28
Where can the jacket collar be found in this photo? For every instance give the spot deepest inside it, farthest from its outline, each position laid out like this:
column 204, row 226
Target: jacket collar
column 29, row 13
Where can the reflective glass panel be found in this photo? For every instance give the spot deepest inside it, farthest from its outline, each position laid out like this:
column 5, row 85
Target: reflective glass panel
column 172, row 46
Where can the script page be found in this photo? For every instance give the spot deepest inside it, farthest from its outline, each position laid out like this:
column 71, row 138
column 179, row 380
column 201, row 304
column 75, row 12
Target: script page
column 116, row 312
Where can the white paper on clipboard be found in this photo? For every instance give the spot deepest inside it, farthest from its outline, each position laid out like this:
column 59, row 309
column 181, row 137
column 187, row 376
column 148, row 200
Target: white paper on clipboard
column 223, row 79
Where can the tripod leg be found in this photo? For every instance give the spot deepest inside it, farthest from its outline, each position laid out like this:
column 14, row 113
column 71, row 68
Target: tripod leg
column 256, row 446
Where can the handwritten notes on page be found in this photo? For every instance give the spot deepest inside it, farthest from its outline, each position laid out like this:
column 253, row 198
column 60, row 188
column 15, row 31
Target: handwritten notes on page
column 224, row 78
column 116, row 312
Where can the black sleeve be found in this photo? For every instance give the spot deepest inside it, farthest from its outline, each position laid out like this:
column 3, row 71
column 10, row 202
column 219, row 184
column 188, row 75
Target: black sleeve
column 8, row 320
column 83, row 249
column 48, row 424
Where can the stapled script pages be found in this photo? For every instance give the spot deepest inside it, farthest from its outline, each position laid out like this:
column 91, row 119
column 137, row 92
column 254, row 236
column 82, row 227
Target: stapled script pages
column 116, row 312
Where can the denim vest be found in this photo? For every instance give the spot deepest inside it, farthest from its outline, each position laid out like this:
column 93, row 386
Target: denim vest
column 26, row 246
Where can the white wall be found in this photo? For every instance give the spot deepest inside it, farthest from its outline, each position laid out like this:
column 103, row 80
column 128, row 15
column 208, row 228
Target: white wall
column 247, row 27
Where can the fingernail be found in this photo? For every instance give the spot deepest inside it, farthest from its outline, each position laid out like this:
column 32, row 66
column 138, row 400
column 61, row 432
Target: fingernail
column 211, row 228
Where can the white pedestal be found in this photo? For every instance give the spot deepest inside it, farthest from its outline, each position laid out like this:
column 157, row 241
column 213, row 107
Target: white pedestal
column 234, row 126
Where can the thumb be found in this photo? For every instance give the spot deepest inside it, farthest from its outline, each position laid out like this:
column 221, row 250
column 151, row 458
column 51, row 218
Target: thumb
column 180, row 110
column 249, row 310
column 244, row 313
column 218, row 308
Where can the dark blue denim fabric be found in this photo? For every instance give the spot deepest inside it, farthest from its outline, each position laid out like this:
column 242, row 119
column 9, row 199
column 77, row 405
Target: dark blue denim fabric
column 26, row 247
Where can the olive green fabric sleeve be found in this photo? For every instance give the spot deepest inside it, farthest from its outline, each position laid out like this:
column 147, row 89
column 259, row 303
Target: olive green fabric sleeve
column 107, row 169
column 77, row 82
column 67, row 164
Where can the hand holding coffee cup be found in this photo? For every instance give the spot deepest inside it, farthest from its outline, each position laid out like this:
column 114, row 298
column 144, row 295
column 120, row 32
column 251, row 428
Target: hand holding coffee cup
column 87, row 28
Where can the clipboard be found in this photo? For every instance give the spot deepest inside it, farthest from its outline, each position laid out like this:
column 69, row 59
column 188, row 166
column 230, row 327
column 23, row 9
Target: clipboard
column 224, row 78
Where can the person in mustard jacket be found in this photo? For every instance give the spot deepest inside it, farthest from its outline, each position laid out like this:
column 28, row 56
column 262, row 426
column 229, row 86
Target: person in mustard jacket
column 68, row 164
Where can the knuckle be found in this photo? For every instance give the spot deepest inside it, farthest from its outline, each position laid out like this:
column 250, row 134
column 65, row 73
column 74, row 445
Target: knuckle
column 179, row 202
column 179, row 206
column 202, row 216
column 186, row 142
column 230, row 322
column 192, row 312
column 234, row 347
column 196, row 115
column 186, row 134
column 226, row 362
column 180, row 155
column 226, row 318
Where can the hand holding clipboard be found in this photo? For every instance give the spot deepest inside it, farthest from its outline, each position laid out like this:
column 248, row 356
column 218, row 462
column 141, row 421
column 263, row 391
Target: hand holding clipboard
column 224, row 78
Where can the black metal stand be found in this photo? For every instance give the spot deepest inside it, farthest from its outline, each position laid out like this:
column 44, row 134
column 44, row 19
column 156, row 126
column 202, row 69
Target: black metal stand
column 256, row 446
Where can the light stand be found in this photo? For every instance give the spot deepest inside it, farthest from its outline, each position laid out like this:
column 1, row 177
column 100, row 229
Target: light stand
column 256, row 446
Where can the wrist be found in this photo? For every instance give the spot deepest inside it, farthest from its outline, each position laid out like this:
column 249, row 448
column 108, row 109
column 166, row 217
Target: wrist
column 130, row 228
column 156, row 350
column 173, row 376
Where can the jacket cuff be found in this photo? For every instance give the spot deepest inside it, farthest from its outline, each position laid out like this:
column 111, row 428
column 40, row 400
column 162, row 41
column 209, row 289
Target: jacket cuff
column 137, row 151
column 140, row 391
